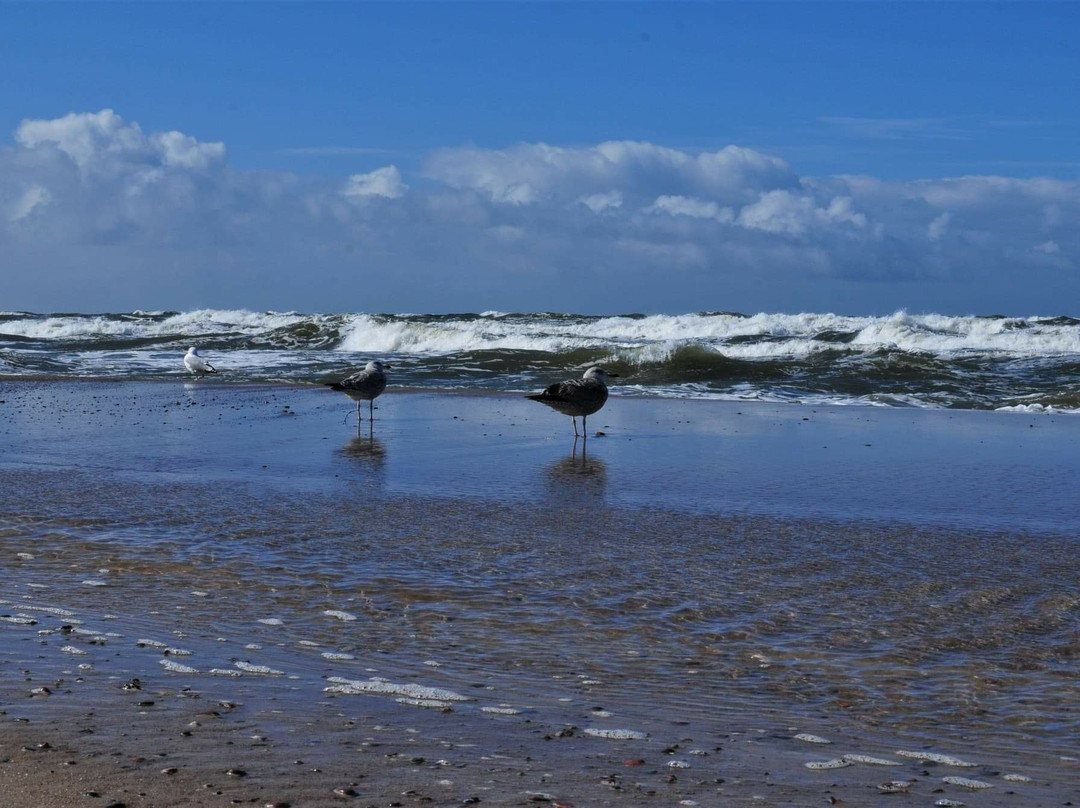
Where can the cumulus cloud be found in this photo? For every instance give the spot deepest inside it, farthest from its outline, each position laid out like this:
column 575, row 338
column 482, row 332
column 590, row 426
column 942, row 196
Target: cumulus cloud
column 385, row 182
column 90, row 204
column 689, row 206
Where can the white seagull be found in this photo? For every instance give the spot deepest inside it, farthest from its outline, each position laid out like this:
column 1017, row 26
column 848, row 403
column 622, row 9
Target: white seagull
column 196, row 364
column 366, row 385
column 576, row 397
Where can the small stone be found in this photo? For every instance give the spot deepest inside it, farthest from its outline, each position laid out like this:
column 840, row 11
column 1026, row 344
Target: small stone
column 170, row 770
column 236, row 773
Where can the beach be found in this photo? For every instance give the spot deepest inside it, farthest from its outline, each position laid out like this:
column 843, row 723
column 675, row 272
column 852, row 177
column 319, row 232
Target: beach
column 462, row 605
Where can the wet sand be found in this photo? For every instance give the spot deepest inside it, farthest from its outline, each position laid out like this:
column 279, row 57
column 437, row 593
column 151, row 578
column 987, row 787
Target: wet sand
column 703, row 579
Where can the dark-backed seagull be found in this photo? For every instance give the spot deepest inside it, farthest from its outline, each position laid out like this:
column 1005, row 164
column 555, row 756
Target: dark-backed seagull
column 366, row 385
column 576, row 397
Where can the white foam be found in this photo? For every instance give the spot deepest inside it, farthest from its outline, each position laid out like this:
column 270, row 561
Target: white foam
column 176, row 667
column 333, row 656
column 340, row 615
column 272, row 621
column 247, row 667
column 870, row 761
column 47, row 610
column 835, row 763
column 934, row 757
column 500, row 710
column 1016, row 778
column 71, row 649
column 615, row 734
column 807, row 738
column 965, row 782
column 375, row 685
column 430, row 703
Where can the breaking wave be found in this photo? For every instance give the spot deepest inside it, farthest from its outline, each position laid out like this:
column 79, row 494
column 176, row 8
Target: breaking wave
column 931, row 360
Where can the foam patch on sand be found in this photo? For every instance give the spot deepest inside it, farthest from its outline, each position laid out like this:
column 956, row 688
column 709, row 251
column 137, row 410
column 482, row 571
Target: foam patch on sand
column 807, row 738
column 176, row 667
column 615, row 734
column 333, row 656
column 377, row 685
column 339, row 615
column 934, row 757
column 835, row 763
column 247, row 667
column 272, row 621
column 966, row 782
column 870, row 761
column 71, row 649
column 430, row 703
column 500, row 710
column 47, row 610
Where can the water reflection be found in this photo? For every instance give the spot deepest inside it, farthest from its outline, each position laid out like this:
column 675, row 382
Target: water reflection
column 580, row 475
column 367, row 450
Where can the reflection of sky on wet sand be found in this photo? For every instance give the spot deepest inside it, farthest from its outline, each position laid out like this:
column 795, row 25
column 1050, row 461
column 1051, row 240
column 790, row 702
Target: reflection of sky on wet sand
column 972, row 469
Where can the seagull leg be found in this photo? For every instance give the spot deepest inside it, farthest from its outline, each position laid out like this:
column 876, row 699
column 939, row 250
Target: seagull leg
column 584, row 432
column 358, row 418
column 371, row 410
column 574, row 419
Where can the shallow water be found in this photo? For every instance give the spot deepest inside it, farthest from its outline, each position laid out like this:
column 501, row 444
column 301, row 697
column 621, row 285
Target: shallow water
column 553, row 585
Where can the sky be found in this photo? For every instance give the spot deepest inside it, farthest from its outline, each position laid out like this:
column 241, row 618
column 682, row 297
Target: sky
column 599, row 157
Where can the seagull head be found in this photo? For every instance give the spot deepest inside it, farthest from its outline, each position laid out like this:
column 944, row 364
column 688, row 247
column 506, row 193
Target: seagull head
column 193, row 351
column 599, row 374
column 377, row 365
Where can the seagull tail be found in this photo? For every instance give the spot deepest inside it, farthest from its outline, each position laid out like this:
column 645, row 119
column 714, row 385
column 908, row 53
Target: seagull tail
column 334, row 385
column 210, row 368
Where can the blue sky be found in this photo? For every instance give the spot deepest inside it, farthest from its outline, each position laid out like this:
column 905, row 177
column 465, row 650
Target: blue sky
column 398, row 156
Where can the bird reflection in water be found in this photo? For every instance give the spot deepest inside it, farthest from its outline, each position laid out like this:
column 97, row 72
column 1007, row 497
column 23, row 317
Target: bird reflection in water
column 366, row 448
column 577, row 476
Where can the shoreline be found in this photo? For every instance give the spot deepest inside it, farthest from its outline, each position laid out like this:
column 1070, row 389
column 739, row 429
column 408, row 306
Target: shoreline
column 614, row 390
column 708, row 576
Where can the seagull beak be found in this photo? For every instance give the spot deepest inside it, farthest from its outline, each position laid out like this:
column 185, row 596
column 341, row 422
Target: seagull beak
column 613, row 375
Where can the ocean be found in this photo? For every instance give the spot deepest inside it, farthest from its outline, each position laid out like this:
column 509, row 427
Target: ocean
column 998, row 362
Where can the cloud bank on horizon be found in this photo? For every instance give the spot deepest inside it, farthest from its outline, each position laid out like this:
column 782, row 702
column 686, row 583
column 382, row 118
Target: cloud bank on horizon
column 96, row 214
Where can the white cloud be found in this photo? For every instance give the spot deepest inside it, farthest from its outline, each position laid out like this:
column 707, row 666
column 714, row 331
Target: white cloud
column 385, row 182
column 35, row 197
column 91, row 205
column 104, row 142
column 598, row 203
column 692, row 207
column 534, row 173
column 937, row 228
column 795, row 214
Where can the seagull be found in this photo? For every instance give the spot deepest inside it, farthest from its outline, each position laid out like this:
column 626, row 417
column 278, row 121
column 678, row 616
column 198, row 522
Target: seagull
column 576, row 397
column 196, row 364
column 364, row 386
